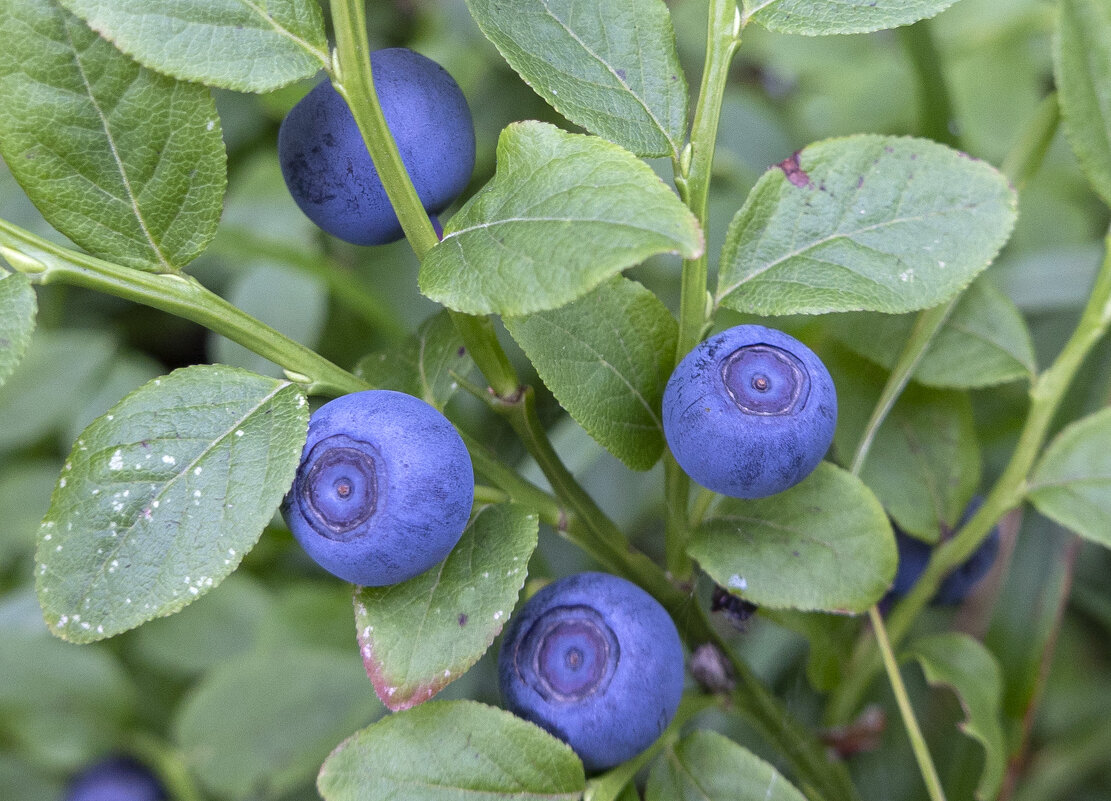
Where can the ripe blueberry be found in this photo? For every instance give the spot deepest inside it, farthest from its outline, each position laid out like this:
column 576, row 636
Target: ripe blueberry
column 749, row 412
column 330, row 173
column 384, row 488
column 596, row 661
column 115, row 779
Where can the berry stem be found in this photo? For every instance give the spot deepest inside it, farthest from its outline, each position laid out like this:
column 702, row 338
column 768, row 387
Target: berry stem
column 935, row 108
column 181, row 295
column 692, row 177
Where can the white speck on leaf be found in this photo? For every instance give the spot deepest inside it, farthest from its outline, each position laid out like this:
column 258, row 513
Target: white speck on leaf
column 737, row 582
column 116, row 462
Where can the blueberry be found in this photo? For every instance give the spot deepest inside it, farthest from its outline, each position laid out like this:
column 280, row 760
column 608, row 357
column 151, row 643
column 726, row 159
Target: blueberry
column 384, row 488
column 596, row 661
column 330, row 173
column 117, row 778
column 749, row 412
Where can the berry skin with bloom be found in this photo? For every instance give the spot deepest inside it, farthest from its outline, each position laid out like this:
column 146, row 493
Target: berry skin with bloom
column 329, row 172
column 116, row 778
column 596, row 661
column 384, row 489
column 749, row 412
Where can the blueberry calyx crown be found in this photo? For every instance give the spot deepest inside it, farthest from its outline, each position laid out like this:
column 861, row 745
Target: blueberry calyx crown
column 568, row 654
column 765, row 380
column 337, row 486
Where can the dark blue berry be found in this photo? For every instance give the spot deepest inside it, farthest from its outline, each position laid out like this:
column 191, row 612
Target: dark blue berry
column 749, row 412
column 116, row 779
column 384, row 489
column 330, row 173
column 596, row 661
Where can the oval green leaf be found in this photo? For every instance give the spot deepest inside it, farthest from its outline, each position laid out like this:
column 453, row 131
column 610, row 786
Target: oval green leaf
column 18, row 306
column 606, row 357
column 821, row 17
column 234, row 44
column 452, row 751
column 160, row 498
column 864, row 223
column 564, row 213
column 1072, row 482
column 260, row 725
column 418, row 636
column 985, row 341
column 127, row 163
column 1082, row 68
column 971, row 670
column 707, row 766
column 615, row 71
column 825, row 544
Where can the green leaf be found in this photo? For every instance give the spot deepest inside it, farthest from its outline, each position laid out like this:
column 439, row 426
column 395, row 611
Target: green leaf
column 984, row 342
column 262, row 724
column 420, row 635
column 707, row 766
column 1082, row 68
column 161, row 498
column 1072, row 482
column 564, row 213
column 18, row 306
column 234, row 44
column 59, row 370
column 286, row 299
column 864, row 223
column 924, row 464
column 606, row 357
column 821, row 17
column 960, row 662
column 830, row 640
column 452, row 751
column 127, row 163
column 825, row 544
column 425, row 366
column 612, row 69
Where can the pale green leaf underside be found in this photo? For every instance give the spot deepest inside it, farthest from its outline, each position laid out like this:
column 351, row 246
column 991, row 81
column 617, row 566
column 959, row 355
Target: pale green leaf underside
column 564, row 213
column 606, row 357
column 610, row 67
column 821, row 17
column 864, row 223
column 707, row 766
column 418, row 636
column 825, row 544
column 291, row 706
column 18, row 306
column 426, row 365
column 1082, row 61
column 960, row 662
column 245, row 45
column 127, row 163
column 161, row 497
column 924, row 464
column 984, row 342
column 1072, row 482
column 452, row 751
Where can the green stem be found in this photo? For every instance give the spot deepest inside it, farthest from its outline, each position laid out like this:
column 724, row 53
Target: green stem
column 352, row 79
column 178, row 294
column 917, row 741
column 168, row 764
column 935, row 109
column 1028, row 153
column 692, row 176
column 241, row 245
